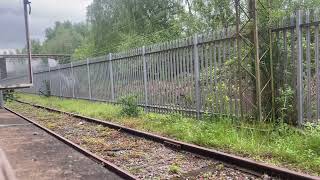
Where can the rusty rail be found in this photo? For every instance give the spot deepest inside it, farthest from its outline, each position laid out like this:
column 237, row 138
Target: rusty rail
column 110, row 166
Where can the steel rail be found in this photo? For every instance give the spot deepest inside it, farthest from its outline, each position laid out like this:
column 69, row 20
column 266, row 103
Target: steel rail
column 240, row 162
column 108, row 165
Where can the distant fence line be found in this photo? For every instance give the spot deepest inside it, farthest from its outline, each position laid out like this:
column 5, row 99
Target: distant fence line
column 177, row 75
column 198, row 74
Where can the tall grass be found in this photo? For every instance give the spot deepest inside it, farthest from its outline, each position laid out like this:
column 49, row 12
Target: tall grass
column 278, row 144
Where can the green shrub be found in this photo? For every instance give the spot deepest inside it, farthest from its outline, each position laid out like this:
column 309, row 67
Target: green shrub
column 8, row 95
column 285, row 102
column 129, row 106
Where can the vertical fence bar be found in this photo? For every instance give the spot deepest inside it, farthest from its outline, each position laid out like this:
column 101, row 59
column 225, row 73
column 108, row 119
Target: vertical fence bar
column 167, row 81
column 49, row 77
column 222, row 67
column 150, row 70
column 270, row 10
column 196, row 74
column 272, row 80
column 235, row 78
column 111, row 76
column 219, row 73
column 299, row 68
column 292, row 23
column 257, row 62
column 145, row 77
column 162, row 77
column 180, row 73
column 73, row 80
column 316, row 46
column 174, row 75
column 308, row 108
column 170, row 71
column 216, row 101
column 89, row 79
column 35, row 85
column 229, row 43
column 238, row 38
column 1, row 100
column 60, row 76
column 211, row 75
column 284, row 70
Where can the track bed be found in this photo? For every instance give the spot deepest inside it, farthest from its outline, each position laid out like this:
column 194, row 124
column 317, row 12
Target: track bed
column 143, row 158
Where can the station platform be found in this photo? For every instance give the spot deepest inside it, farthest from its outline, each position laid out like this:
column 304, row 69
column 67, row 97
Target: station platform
column 34, row 154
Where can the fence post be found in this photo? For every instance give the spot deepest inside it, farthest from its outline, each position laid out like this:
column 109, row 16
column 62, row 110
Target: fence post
column 59, row 76
column 73, row 80
column 145, row 77
column 111, row 77
column 49, row 78
column 239, row 58
column 299, row 68
column 196, row 74
column 34, row 86
column 316, row 35
column 89, row 79
column 1, row 100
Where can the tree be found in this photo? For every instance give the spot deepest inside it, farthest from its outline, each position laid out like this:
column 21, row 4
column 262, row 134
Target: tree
column 139, row 21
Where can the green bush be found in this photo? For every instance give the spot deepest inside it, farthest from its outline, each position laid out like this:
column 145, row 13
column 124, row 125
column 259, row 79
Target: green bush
column 8, row 95
column 129, row 106
column 285, row 108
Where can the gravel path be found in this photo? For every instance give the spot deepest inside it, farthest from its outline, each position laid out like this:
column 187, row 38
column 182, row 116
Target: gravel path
column 143, row 158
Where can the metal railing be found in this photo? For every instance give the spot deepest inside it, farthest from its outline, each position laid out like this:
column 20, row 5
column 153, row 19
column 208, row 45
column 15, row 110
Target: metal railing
column 297, row 55
column 200, row 74
column 195, row 74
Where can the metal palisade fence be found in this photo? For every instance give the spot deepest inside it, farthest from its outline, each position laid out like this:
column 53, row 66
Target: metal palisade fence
column 202, row 74
column 192, row 75
column 296, row 54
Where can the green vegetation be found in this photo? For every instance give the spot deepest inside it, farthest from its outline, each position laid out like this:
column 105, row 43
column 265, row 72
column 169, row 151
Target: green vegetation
column 129, row 106
column 174, row 169
column 8, row 95
column 114, row 26
column 62, row 38
column 278, row 144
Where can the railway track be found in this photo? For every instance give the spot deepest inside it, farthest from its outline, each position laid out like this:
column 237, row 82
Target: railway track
column 145, row 155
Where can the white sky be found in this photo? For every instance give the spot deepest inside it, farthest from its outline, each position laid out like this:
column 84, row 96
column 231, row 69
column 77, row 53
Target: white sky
column 44, row 14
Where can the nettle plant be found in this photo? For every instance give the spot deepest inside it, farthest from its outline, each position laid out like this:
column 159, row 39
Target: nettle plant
column 284, row 103
column 130, row 106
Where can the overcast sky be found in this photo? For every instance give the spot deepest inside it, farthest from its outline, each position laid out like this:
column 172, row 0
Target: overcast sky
column 44, row 14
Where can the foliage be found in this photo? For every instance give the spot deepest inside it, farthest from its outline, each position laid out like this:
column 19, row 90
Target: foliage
column 84, row 50
column 8, row 95
column 63, row 38
column 313, row 142
column 119, row 25
column 285, row 102
column 129, row 106
column 174, row 168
